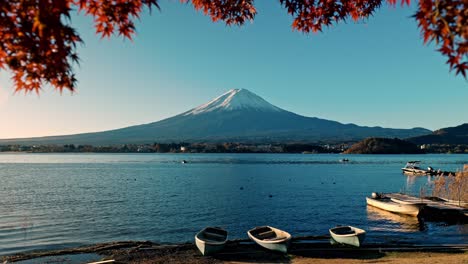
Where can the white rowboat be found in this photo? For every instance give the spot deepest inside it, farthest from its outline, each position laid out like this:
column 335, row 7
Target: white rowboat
column 348, row 235
column 393, row 206
column 211, row 240
column 270, row 238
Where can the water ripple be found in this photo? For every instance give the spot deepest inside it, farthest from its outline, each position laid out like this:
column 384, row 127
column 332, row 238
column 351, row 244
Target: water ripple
column 53, row 201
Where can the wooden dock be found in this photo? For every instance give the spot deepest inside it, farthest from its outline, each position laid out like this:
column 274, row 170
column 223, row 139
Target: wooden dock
column 436, row 209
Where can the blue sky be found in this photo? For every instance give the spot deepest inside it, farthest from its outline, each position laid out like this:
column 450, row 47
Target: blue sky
column 374, row 73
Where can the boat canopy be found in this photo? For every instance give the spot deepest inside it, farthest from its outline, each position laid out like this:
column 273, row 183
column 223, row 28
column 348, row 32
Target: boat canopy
column 413, row 164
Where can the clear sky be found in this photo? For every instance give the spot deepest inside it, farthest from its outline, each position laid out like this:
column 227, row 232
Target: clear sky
column 374, row 73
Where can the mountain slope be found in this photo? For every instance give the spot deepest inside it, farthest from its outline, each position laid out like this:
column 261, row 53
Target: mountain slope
column 236, row 116
column 449, row 135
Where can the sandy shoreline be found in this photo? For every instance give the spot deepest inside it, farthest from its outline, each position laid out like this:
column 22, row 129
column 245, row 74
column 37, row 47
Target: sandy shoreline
column 246, row 252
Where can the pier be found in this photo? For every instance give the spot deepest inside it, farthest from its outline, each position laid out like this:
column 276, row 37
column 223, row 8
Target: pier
column 436, row 208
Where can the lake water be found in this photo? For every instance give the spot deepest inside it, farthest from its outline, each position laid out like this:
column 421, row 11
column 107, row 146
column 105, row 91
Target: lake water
column 50, row 201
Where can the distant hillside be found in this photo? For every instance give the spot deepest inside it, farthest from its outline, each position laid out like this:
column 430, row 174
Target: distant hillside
column 236, row 116
column 450, row 135
column 383, row 146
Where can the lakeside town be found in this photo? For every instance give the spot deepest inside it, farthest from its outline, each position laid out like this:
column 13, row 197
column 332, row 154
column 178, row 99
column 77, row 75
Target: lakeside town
column 225, row 148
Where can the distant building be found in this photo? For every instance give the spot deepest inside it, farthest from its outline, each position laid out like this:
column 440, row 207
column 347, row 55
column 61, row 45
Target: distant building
column 24, row 148
column 144, row 148
column 424, row 146
column 183, row 149
column 344, row 147
column 264, row 148
column 277, row 149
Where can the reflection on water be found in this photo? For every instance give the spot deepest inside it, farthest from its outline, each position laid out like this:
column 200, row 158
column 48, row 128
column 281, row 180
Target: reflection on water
column 53, row 201
column 394, row 222
column 411, row 180
column 463, row 229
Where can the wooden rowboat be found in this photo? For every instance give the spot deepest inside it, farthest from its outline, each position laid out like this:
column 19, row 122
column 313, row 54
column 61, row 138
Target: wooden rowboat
column 211, row 240
column 394, row 206
column 270, row 238
column 348, row 235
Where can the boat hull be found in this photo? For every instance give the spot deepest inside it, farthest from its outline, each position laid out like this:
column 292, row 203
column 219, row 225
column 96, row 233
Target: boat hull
column 354, row 239
column 211, row 240
column 208, row 249
column 395, row 207
column 281, row 245
column 414, row 171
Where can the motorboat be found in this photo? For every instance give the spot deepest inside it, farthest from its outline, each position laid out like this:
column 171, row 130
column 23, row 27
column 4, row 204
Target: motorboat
column 413, row 168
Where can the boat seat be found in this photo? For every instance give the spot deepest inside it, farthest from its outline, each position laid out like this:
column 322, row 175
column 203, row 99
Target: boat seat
column 212, row 240
column 214, row 236
column 267, row 235
column 259, row 230
column 276, row 238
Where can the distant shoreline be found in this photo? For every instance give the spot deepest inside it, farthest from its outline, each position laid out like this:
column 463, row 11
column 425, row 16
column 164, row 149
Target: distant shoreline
column 367, row 146
column 185, row 153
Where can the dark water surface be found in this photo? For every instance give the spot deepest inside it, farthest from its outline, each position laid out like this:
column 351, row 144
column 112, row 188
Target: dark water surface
column 50, row 201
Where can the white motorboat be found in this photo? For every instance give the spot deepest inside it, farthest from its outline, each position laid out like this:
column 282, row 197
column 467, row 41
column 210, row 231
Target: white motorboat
column 413, row 168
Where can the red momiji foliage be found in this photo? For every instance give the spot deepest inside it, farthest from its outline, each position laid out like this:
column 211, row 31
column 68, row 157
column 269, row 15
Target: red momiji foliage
column 38, row 43
column 446, row 23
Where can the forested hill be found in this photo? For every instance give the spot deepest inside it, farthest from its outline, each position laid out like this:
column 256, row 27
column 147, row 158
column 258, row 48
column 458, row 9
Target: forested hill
column 450, row 135
column 383, row 146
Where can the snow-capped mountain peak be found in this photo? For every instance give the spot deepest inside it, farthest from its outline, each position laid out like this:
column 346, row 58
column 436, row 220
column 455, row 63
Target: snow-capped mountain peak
column 235, row 99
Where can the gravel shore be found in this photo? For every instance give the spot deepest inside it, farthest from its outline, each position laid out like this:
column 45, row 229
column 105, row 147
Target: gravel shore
column 245, row 252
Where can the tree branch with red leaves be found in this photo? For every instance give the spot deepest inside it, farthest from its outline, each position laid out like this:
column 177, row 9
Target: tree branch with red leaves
column 446, row 23
column 38, row 42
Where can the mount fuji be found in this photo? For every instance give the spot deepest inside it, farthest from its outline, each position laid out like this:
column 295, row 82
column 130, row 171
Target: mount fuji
column 236, row 116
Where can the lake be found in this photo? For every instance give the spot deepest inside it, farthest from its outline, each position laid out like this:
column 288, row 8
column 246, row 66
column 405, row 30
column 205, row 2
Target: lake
column 52, row 201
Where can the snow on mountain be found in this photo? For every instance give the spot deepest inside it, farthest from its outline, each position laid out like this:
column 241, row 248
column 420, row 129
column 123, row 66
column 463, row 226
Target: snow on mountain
column 235, row 99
